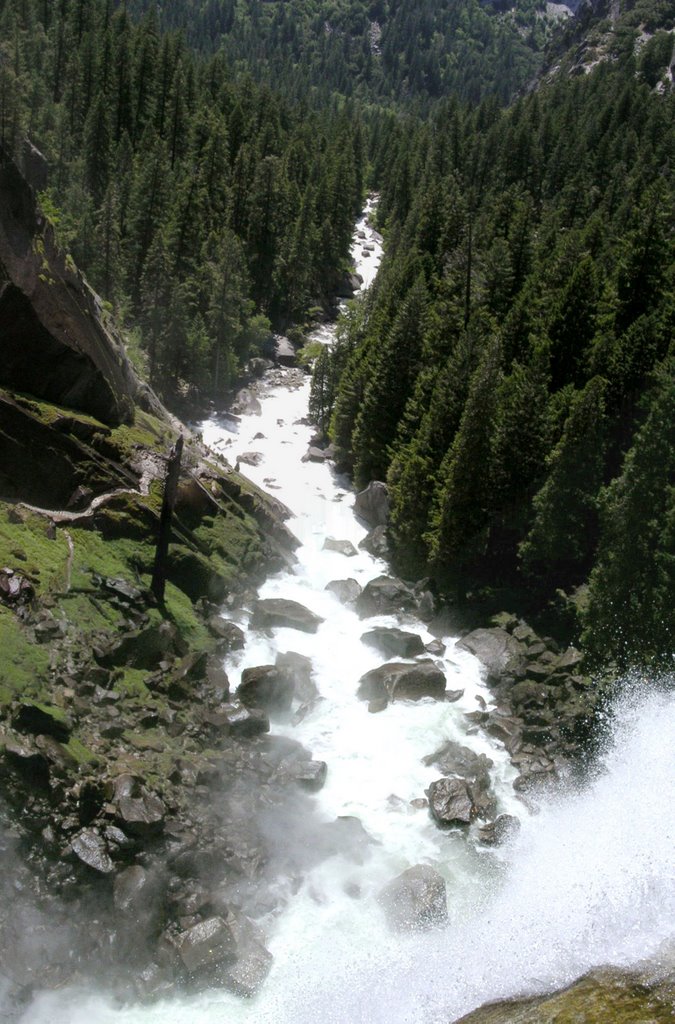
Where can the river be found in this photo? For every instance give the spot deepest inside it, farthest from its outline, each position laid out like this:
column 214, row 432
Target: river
column 588, row 880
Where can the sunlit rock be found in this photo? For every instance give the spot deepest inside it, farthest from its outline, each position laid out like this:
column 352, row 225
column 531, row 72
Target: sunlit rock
column 401, row 681
column 394, row 643
column 278, row 611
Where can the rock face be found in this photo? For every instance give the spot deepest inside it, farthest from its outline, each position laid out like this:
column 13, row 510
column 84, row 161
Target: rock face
column 53, row 343
column 400, row 681
column 277, row 611
column 415, row 900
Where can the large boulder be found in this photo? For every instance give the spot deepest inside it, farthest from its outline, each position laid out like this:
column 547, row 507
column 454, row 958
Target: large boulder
column 279, row 611
column 385, row 595
column 372, row 504
column 451, row 802
column 296, row 670
column 455, row 759
column 500, row 652
column 266, row 687
column 394, row 643
column 415, row 900
column 376, row 543
column 346, row 591
column 402, row 681
column 607, row 994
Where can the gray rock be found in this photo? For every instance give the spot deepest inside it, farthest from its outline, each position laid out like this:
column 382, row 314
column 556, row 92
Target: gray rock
column 401, row 681
column 342, row 547
column 251, row 458
column 297, row 670
column 346, row 591
column 131, row 889
column 415, row 900
column 376, row 543
column 494, row 833
column 385, row 595
column 232, row 636
column 496, row 649
column 394, row 643
column 141, row 816
column 372, row 504
column 455, row 759
column 253, row 960
column 209, row 943
column 314, row 454
column 451, row 803
column 278, row 611
column 237, row 720
column 91, row 849
column 266, row 687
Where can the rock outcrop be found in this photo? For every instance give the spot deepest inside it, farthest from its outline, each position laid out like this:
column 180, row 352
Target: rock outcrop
column 54, row 344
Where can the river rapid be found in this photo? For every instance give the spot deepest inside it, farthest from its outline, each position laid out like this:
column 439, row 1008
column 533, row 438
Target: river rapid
column 587, row 881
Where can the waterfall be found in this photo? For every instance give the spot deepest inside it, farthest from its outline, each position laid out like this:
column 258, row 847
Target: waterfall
column 587, row 881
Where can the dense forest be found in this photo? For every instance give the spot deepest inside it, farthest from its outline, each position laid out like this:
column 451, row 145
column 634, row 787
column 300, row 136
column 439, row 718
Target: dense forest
column 511, row 375
column 204, row 208
column 385, row 51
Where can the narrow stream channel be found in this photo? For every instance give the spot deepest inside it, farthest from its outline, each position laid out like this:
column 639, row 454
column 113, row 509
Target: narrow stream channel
column 588, row 881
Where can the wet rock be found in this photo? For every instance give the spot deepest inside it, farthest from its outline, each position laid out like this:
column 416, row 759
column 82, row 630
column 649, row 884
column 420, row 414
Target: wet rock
column 394, row 643
column 246, row 403
column 251, row 458
column 450, row 802
column 455, row 759
column 503, row 828
column 415, row 900
column 314, row 454
column 232, row 636
column 296, row 669
column 266, row 687
column 237, row 720
column 130, row 892
column 451, row 696
column 496, row 649
column 209, row 943
column 91, row 849
column 376, row 543
column 141, row 816
column 278, row 611
column 569, row 660
column 347, row 836
column 385, row 595
column 436, row 647
column 372, row 503
column 346, row 591
column 342, row 547
column 309, row 775
column 253, row 960
column 605, row 995
column 401, row 681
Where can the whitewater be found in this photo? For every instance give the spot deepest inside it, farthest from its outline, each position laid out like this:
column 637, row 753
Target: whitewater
column 587, row 881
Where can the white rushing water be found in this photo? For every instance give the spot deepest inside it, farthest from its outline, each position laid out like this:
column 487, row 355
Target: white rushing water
column 589, row 879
